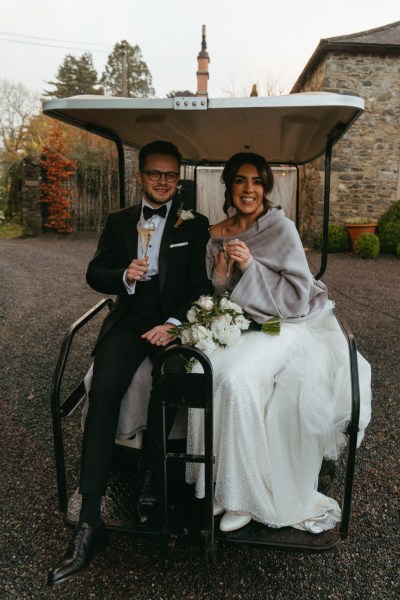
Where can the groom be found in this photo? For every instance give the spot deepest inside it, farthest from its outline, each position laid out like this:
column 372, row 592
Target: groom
column 138, row 324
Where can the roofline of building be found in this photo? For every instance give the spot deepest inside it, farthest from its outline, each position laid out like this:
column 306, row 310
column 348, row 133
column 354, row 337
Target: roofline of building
column 342, row 44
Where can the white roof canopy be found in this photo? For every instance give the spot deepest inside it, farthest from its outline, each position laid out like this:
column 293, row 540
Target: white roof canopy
column 284, row 129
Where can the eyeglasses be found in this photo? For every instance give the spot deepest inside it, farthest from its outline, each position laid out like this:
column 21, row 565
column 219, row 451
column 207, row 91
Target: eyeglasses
column 170, row 176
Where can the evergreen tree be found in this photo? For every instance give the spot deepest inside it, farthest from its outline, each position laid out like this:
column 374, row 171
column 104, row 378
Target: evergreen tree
column 126, row 74
column 75, row 76
column 174, row 93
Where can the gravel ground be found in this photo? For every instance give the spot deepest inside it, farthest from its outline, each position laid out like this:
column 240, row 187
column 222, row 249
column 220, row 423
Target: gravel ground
column 42, row 292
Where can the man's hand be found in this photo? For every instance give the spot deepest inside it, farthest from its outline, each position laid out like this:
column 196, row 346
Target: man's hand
column 136, row 269
column 159, row 335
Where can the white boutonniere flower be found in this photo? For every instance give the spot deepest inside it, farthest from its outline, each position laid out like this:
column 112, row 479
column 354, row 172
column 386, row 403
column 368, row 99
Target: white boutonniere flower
column 184, row 215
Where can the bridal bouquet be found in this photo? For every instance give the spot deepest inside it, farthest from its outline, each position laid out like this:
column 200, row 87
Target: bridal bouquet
column 215, row 322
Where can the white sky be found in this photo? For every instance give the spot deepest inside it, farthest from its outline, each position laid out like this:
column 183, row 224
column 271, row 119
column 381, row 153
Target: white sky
column 249, row 41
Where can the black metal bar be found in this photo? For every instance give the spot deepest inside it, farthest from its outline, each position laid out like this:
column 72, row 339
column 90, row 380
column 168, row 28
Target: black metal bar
column 73, row 401
column 121, row 172
column 195, row 458
column 297, row 197
column 160, row 383
column 195, row 186
column 352, row 429
column 55, row 399
column 325, row 221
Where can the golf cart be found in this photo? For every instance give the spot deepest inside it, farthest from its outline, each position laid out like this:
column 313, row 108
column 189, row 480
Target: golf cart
column 289, row 131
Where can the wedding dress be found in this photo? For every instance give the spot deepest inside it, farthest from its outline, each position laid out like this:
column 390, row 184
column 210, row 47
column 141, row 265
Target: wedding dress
column 281, row 403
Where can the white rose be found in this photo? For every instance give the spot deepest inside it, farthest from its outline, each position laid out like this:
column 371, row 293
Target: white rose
column 206, row 303
column 242, row 322
column 186, row 215
column 220, row 327
column 207, row 346
column 226, row 304
column 192, row 314
column 232, row 335
column 198, row 333
column 186, row 336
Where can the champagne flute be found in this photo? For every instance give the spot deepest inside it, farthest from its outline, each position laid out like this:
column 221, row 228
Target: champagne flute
column 145, row 231
column 229, row 264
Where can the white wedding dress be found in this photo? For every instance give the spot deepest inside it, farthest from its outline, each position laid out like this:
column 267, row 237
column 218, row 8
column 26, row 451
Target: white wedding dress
column 281, row 404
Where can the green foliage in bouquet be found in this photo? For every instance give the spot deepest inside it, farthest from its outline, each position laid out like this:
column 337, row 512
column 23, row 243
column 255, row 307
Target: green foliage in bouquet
column 367, row 245
column 272, row 327
column 389, row 237
column 338, row 238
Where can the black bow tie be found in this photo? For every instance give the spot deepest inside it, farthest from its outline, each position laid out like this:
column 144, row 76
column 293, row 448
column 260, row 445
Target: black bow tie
column 150, row 212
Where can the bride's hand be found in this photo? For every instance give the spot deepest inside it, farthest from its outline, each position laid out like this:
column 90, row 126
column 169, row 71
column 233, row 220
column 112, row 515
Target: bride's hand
column 240, row 253
column 220, row 263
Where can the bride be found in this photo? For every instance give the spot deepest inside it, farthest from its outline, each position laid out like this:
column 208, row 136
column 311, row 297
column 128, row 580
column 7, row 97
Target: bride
column 281, row 403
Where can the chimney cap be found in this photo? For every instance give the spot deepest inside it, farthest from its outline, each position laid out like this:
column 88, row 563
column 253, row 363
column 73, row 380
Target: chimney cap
column 203, row 52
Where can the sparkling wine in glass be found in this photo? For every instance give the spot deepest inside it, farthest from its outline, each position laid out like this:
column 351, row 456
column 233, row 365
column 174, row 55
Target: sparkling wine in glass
column 145, row 231
column 229, row 265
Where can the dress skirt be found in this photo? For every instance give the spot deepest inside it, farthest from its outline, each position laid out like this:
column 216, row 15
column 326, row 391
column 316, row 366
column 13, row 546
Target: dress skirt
column 281, row 405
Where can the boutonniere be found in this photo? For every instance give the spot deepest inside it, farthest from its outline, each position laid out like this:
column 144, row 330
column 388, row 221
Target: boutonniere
column 184, row 215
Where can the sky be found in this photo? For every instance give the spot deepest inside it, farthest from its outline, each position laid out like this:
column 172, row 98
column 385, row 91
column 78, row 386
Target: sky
column 248, row 41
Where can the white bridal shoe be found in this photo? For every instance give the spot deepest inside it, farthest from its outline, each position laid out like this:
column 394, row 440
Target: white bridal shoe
column 231, row 522
column 218, row 509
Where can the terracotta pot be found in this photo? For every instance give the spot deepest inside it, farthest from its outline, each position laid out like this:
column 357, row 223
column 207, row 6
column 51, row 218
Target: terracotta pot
column 356, row 229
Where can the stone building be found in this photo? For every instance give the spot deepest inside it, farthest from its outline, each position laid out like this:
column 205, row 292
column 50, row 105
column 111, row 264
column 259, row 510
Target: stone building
column 365, row 166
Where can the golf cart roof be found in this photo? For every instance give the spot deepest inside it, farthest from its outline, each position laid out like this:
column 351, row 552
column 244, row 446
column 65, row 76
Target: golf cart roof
column 284, row 129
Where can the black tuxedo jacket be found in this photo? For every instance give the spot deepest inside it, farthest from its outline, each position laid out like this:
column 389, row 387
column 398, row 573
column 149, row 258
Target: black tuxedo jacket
column 181, row 268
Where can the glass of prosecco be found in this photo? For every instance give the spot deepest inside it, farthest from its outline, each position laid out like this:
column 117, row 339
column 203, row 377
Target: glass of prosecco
column 145, row 231
column 229, row 266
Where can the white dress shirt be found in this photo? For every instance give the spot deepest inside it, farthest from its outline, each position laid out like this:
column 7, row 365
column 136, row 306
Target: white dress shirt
column 153, row 250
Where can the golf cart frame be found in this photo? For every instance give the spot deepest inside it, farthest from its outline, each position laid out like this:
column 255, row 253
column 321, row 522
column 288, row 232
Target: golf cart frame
column 288, row 130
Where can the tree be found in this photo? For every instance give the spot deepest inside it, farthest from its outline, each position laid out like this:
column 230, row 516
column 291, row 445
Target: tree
column 75, row 76
column 126, row 74
column 174, row 93
column 57, row 171
column 17, row 105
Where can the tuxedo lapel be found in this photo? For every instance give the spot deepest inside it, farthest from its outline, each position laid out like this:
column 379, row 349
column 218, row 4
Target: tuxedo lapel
column 131, row 234
column 165, row 243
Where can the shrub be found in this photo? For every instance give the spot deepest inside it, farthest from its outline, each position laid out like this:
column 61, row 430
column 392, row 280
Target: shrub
column 391, row 215
column 398, row 250
column 361, row 220
column 389, row 237
column 367, row 245
column 338, row 238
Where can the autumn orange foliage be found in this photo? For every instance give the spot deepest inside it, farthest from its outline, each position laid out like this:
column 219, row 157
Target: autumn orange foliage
column 57, row 171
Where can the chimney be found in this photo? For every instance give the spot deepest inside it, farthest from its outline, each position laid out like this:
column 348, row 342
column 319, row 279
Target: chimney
column 202, row 65
column 254, row 90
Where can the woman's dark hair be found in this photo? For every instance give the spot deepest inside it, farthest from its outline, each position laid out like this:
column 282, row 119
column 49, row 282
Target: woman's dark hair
column 232, row 167
column 158, row 147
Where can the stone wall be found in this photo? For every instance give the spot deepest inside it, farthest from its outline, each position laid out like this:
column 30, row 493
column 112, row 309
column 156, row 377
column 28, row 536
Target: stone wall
column 365, row 165
column 32, row 220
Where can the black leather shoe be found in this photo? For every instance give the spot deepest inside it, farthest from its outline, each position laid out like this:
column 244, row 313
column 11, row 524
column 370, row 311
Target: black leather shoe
column 85, row 542
column 147, row 487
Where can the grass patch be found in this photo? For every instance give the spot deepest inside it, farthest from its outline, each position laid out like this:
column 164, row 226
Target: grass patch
column 11, row 230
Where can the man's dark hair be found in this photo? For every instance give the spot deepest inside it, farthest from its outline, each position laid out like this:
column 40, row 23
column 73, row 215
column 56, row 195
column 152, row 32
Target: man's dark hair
column 158, row 147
